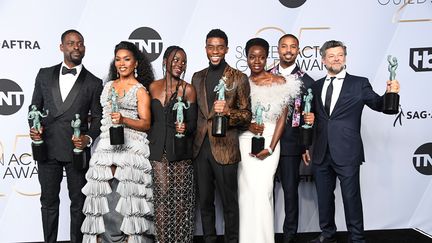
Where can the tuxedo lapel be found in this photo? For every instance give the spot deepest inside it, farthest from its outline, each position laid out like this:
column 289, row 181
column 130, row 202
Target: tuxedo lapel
column 202, row 99
column 295, row 70
column 76, row 88
column 320, row 84
column 55, row 88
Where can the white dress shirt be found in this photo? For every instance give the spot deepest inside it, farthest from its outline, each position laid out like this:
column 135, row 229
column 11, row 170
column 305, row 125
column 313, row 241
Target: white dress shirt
column 337, row 87
column 67, row 81
column 286, row 71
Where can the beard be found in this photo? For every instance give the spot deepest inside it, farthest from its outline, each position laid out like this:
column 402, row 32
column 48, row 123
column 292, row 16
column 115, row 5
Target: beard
column 75, row 57
column 336, row 69
column 288, row 61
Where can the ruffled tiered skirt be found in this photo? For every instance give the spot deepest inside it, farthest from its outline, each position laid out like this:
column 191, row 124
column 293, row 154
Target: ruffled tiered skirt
column 133, row 173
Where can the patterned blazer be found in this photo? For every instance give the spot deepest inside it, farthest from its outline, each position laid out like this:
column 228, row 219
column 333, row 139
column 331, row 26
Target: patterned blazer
column 224, row 149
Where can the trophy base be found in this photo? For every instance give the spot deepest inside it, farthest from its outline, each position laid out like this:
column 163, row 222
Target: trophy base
column 306, row 136
column 391, row 103
column 180, row 146
column 79, row 160
column 257, row 144
column 116, row 135
column 219, row 126
column 39, row 151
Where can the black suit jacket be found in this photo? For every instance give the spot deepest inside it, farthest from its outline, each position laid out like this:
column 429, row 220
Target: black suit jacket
column 341, row 130
column 289, row 141
column 83, row 99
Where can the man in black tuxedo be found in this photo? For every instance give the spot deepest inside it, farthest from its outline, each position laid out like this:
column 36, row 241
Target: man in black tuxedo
column 338, row 148
column 291, row 150
column 65, row 89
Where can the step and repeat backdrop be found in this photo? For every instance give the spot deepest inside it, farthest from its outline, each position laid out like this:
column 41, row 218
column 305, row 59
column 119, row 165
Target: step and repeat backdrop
column 396, row 179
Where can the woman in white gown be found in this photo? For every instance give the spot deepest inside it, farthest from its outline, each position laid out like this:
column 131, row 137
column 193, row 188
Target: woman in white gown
column 119, row 197
column 256, row 172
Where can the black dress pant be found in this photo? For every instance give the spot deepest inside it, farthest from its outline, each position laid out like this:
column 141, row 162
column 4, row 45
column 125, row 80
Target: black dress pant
column 210, row 176
column 289, row 177
column 325, row 181
column 50, row 175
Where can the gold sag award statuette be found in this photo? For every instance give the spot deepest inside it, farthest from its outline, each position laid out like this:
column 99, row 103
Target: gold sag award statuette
column 79, row 160
column 116, row 131
column 38, row 146
column 219, row 124
column 306, row 133
column 391, row 99
column 258, row 140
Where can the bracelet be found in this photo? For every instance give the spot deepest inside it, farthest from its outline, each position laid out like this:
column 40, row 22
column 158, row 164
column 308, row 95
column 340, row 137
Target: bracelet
column 90, row 141
column 270, row 150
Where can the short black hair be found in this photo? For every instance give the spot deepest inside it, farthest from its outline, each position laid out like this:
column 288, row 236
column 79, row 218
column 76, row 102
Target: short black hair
column 257, row 42
column 290, row 36
column 217, row 33
column 67, row 32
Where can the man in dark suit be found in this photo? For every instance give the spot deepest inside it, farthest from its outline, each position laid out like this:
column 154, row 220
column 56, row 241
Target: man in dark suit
column 65, row 89
column 216, row 158
column 291, row 150
column 338, row 148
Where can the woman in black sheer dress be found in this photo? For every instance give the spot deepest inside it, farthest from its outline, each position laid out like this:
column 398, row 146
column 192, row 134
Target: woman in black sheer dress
column 171, row 150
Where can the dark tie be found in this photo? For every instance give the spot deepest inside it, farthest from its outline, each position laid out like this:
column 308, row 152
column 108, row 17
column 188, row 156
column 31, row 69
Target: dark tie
column 66, row 70
column 329, row 96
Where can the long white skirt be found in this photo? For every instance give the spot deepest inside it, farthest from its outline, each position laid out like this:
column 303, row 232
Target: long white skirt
column 255, row 188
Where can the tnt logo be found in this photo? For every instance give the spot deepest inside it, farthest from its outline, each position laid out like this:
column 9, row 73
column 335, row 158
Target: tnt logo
column 148, row 41
column 11, row 97
column 292, row 3
column 421, row 59
column 422, row 159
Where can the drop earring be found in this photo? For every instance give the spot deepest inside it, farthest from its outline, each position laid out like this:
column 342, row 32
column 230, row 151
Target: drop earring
column 164, row 70
column 136, row 73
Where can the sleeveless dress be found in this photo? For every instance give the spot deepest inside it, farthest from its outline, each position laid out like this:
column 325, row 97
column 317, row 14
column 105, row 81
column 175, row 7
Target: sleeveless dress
column 255, row 176
column 173, row 174
column 126, row 197
column 174, row 191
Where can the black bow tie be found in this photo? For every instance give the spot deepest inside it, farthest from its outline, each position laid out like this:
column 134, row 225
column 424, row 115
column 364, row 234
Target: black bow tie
column 66, row 70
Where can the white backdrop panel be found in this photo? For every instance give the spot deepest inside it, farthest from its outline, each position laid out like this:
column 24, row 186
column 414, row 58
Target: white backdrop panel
column 395, row 193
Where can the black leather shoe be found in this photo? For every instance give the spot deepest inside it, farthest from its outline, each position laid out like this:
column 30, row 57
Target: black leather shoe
column 322, row 239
